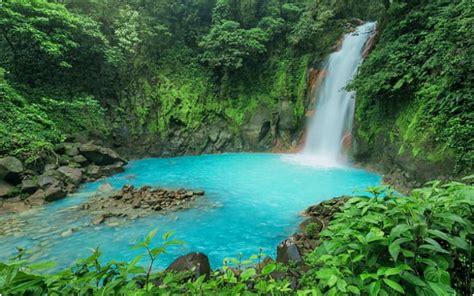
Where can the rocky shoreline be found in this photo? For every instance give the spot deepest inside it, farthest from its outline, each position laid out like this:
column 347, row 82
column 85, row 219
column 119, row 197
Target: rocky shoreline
column 25, row 187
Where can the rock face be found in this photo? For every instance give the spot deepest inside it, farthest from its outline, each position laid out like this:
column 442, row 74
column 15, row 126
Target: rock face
column 6, row 189
column 264, row 128
column 257, row 132
column 73, row 175
column 197, row 262
column 29, row 185
column 288, row 251
column 54, row 193
column 130, row 203
column 100, row 155
column 55, row 177
column 11, row 169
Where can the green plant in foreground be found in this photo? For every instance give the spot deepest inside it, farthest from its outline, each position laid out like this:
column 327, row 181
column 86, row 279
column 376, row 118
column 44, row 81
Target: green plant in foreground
column 381, row 244
column 419, row 244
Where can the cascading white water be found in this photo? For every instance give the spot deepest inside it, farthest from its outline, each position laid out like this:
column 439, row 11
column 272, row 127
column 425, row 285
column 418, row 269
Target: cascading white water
column 335, row 106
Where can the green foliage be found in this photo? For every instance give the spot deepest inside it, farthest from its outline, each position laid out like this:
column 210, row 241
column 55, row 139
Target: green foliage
column 30, row 130
column 387, row 244
column 26, row 130
column 228, row 46
column 45, row 46
column 416, row 86
column 383, row 244
column 312, row 229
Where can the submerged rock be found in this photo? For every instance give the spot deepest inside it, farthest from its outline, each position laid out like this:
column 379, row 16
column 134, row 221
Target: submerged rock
column 196, row 262
column 131, row 202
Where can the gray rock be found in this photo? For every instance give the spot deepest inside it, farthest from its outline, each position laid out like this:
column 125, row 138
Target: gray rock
column 197, row 261
column 74, row 175
column 106, row 187
column 79, row 159
column 287, row 118
column 29, row 185
column 256, row 131
column 54, row 193
column 6, row 189
column 113, row 169
column 288, row 251
column 98, row 220
column 50, row 167
column 71, row 150
column 99, row 155
column 11, row 169
column 45, row 181
column 93, row 171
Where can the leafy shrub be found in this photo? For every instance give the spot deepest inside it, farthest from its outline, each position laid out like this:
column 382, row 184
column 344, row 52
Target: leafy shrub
column 419, row 244
column 312, row 229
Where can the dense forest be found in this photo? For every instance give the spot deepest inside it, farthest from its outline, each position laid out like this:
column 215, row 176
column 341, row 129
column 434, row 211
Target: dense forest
column 167, row 78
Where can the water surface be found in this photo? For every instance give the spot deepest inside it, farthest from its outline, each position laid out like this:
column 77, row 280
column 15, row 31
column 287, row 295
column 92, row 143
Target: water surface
column 252, row 201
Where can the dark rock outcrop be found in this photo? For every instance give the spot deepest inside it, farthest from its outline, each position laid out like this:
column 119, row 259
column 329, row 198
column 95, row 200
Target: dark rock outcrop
column 6, row 189
column 288, row 251
column 56, row 176
column 100, row 155
column 196, row 262
column 29, row 186
column 11, row 169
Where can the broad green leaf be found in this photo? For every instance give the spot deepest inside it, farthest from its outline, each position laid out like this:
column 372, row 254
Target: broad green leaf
column 41, row 266
column 439, row 289
column 167, row 235
column 374, row 288
column 332, row 280
column 353, row 289
column 413, row 279
column 247, row 274
column 396, row 270
column 434, row 248
column 461, row 243
column 394, row 285
column 150, row 236
column 269, row 268
column 399, row 229
column 341, row 285
column 394, row 247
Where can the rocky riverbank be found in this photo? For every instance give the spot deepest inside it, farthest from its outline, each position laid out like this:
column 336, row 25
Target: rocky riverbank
column 23, row 187
column 130, row 203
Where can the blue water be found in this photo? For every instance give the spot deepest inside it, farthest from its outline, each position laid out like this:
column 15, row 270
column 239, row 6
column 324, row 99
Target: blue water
column 252, row 201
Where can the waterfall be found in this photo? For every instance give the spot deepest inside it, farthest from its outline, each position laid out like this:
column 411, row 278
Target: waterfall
column 333, row 115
